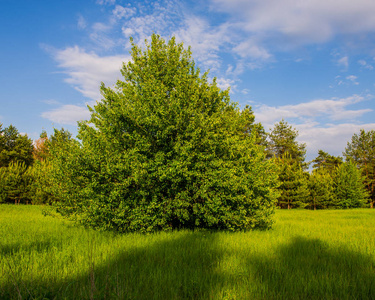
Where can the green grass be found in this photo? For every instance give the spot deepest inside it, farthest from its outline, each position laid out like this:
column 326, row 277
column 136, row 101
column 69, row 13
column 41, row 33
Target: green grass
column 307, row 255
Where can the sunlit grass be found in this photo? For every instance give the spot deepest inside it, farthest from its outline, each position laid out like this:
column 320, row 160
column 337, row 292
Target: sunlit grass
column 326, row 254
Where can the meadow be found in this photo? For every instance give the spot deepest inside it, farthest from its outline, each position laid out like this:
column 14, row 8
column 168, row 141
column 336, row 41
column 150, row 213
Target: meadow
column 328, row 254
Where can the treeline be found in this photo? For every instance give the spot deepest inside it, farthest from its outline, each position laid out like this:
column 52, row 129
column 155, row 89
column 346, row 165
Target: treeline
column 25, row 166
column 333, row 182
column 26, row 171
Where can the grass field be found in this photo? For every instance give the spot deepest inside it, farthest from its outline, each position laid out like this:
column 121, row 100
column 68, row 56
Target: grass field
column 326, row 254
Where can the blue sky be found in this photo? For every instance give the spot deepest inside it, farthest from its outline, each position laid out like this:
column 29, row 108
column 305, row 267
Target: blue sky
column 310, row 62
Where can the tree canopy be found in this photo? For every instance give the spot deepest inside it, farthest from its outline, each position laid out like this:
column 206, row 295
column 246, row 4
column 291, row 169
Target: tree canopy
column 282, row 139
column 361, row 149
column 166, row 149
column 326, row 161
column 14, row 147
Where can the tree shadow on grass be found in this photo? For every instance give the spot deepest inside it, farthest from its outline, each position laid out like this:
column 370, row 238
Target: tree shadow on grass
column 171, row 268
column 310, row 269
column 194, row 265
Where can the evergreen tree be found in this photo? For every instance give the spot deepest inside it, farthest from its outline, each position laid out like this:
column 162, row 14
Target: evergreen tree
column 350, row 189
column 165, row 149
column 326, row 161
column 15, row 183
column 14, row 147
column 282, row 139
column 254, row 128
column 321, row 185
column 293, row 187
column 361, row 149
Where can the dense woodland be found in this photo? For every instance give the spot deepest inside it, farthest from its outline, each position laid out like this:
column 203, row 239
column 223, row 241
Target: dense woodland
column 167, row 149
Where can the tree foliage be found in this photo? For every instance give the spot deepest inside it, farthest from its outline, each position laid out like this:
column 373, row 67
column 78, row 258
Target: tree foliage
column 165, row 149
column 14, row 147
column 15, row 180
column 349, row 186
column 282, row 140
column 293, row 183
column 322, row 191
column 361, row 149
column 40, row 151
column 326, row 161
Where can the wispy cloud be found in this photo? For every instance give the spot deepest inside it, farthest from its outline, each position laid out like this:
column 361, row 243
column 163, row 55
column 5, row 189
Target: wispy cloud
column 353, row 79
column 86, row 71
column 81, row 23
column 67, row 114
column 343, row 62
column 225, row 83
column 365, row 64
column 106, row 2
column 301, row 22
column 329, row 109
column 332, row 138
column 121, row 12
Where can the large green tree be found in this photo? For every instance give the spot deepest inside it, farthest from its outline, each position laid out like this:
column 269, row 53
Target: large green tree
column 166, row 149
column 361, row 149
column 283, row 139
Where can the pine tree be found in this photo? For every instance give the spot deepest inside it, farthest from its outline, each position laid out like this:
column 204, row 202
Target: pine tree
column 321, row 185
column 361, row 149
column 293, row 187
column 15, row 183
column 15, row 147
column 326, row 161
column 282, row 140
column 350, row 189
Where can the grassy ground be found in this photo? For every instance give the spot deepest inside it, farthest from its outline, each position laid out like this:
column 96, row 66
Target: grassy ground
column 307, row 255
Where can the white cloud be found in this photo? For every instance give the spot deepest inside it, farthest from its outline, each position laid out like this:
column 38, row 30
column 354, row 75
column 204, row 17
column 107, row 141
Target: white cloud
column 87, row 70
column 332, row 138
column 81, row 24
column 251, row 49
column 302, row 22
column 225, row 83
column 205, row 41
column 344, row 62
column 366, row 65
column 352, row 79
column 106, row 2
column 127, row 32
column 329, row 109
column 67, row 114
column 123, row 12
